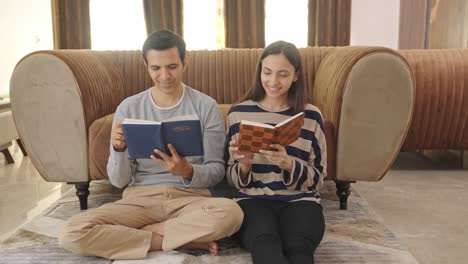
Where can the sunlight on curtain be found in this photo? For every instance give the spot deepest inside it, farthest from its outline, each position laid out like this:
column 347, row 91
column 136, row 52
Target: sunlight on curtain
column 203, row 24
column 117, row 24
column 286, row 20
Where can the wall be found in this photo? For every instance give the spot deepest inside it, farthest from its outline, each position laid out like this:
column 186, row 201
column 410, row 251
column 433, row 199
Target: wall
column 26, row 26
column 375, row 22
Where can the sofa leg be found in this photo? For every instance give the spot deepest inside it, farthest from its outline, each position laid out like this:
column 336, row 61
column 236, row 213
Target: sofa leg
column 21, row 146
column 464, row 158
column 82, row 191
column 9, row 159
column 343, row 190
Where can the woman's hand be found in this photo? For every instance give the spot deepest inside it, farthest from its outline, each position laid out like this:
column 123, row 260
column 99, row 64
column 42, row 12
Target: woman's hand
column 245, row 158
column 279, row 157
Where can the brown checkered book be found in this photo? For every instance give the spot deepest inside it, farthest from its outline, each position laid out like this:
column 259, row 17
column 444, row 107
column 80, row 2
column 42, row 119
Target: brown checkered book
column 254, row 136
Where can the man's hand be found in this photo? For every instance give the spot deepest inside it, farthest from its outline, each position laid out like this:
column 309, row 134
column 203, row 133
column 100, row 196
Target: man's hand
column 118, row 138
column 279, row 157
column 245, row 158
column 176, row 164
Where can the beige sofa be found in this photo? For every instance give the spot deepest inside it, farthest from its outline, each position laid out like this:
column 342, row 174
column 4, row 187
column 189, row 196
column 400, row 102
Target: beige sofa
column 63, row 103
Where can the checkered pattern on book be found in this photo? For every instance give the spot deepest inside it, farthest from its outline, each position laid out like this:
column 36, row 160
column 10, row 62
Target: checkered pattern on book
column 290, row 132
column 254, row 138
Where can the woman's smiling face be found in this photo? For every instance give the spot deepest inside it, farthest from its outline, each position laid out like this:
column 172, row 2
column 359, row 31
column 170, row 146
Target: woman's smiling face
column 277, row 76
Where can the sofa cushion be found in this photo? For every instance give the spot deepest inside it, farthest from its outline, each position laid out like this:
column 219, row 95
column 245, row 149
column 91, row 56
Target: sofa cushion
column 99, row 140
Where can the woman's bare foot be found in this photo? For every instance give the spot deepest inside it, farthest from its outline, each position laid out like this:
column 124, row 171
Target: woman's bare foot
column 211, row 246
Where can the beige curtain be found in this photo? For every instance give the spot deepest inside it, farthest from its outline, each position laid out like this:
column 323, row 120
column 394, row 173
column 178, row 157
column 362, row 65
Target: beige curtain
column 245, row 23
column 71, row 24
column 329, row 22
column 164, row 14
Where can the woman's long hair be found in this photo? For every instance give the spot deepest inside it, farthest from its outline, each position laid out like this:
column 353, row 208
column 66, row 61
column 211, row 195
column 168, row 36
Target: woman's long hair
column 296, row 91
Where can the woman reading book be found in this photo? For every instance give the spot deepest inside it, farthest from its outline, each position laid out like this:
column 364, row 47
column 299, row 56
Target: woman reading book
column 278, row 186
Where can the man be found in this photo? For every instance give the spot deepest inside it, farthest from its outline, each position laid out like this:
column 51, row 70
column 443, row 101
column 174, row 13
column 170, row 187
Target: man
column 166, row 204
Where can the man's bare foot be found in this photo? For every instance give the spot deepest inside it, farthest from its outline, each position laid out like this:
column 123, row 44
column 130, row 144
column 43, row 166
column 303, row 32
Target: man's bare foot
column 211, row 246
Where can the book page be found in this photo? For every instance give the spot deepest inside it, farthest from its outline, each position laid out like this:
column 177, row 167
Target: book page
column 258, row 124
column 150, row 122
column 140, row 122
column 289, row 119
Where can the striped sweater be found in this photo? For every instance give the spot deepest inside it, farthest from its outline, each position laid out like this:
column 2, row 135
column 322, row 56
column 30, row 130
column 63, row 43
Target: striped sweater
column 268, row 181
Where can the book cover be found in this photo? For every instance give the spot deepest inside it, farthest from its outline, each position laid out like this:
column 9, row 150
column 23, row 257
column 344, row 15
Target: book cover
column 143, row 136
column 254, row 136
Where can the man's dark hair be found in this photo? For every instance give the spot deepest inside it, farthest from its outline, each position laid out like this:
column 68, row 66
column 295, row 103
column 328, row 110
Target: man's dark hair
column 163, row 40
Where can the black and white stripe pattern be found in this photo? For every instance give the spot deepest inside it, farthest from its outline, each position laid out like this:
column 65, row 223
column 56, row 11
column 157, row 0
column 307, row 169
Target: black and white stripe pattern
column 268, row 181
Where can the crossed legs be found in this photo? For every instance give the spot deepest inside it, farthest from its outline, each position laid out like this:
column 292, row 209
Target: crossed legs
column 126, row 229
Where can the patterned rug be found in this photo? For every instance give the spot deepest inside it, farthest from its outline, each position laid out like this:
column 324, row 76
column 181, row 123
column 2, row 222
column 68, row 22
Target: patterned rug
column 356, row 235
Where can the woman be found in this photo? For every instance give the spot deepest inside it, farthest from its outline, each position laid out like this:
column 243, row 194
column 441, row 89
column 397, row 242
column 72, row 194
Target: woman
column 283, row 220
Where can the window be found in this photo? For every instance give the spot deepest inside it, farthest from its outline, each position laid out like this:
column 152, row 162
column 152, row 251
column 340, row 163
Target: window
column 286, row 20
column 117, row 24
column 120, row 24
column 203, row 27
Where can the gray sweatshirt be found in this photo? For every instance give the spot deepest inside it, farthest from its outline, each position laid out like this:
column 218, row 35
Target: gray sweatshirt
column 208, row 170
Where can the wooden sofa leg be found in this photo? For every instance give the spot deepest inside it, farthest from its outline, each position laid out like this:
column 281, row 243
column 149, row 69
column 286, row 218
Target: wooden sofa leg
column 464, row 157
column 21, row 146
column 82, row 191
column 343, row 189
column 9, row 159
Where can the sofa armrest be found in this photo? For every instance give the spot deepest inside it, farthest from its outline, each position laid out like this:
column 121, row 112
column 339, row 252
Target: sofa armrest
column 367, row 93
column 55, row 96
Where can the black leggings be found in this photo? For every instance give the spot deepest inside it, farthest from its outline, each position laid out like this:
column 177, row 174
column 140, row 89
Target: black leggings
column 281, row 232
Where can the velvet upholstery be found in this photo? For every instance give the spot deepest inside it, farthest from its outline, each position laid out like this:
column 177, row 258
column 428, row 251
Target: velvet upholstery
column 440, row 119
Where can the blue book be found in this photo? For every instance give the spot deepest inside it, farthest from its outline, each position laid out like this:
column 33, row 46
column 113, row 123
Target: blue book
column 143, row 136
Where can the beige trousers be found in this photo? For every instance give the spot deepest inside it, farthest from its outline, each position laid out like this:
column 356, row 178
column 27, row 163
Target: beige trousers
column 113, row 230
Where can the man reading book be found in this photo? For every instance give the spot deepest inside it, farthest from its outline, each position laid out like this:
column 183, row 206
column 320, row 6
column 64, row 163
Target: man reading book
column 166, row 204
